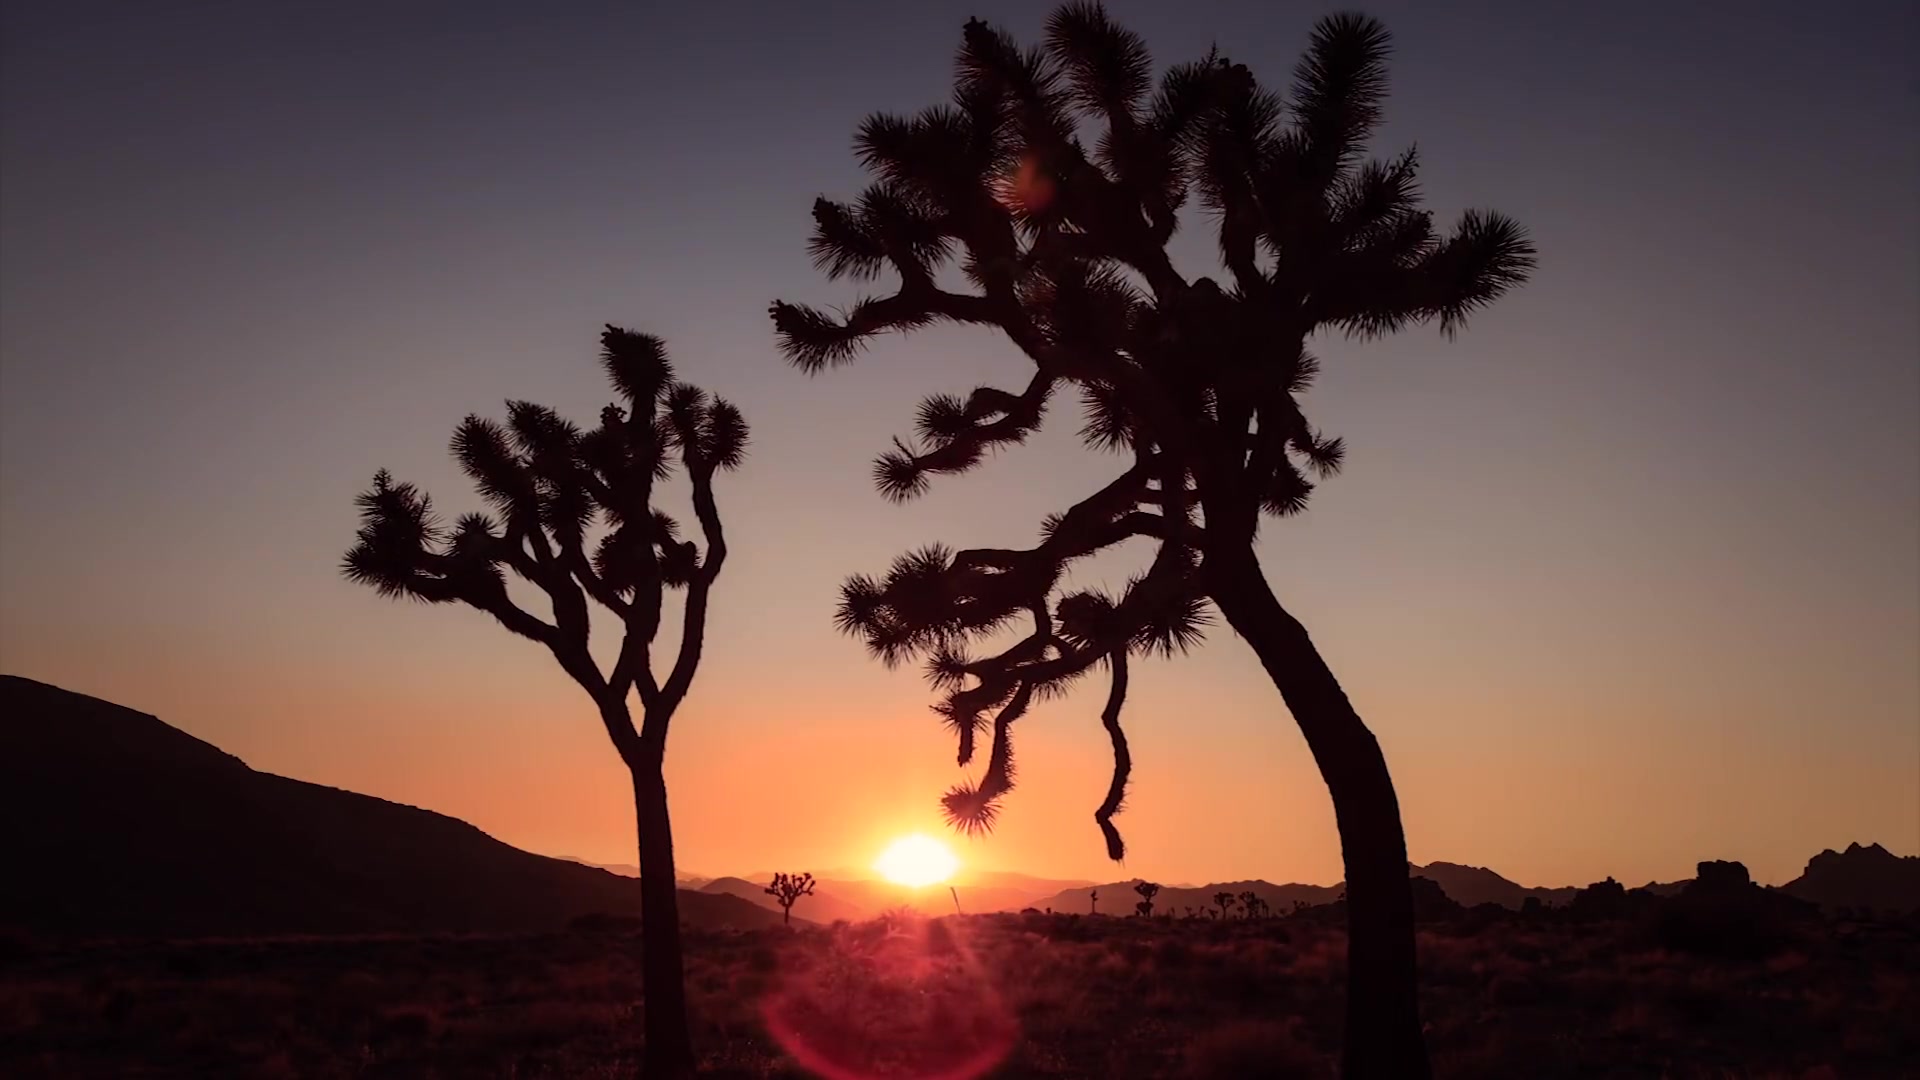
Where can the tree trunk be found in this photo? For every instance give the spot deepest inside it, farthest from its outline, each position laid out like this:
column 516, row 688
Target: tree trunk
column 669, row 1046
column 1383, row 1035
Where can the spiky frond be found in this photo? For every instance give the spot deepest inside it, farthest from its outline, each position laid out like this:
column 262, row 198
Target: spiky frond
column 1108, row 67
column 723, row 438
column 898, row 476
column 1086, row 620
column 1488, row 254
column 1110, row 425
column 842, row 245
column 395, row 544
column 1338, row 88
column 538, row 431
column 1286, row 492
column 486, row 455
column 685, row 409
column 1301, row 372
column 968, row 811
column 947, row 667
column 902, row 229
column 811, row 339
column 861, row 602
column 943, row 418
column 1173, row 626
column 636, row 363
column 1324, row 454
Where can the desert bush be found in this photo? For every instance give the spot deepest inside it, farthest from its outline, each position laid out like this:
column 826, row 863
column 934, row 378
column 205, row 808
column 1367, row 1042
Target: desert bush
column 1247, row 1048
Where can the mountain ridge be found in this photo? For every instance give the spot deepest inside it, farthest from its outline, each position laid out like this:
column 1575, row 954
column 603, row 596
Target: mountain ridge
column 118, row 824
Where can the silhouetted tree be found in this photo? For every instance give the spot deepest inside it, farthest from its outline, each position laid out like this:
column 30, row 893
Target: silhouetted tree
column 1093, row 902
column 788, row 889
column 573, row 517
column 1223, row 900
column 1147, row 890
column 1064, row 250
column 1251, row 905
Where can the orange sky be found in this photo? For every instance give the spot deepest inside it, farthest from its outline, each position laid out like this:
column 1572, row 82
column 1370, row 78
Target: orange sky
column 1626, row 577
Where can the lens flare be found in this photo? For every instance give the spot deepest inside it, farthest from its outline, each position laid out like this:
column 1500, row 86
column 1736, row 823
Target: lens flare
column 902, row 997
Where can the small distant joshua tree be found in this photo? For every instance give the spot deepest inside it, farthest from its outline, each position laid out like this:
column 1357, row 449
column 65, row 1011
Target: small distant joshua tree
column 1223, row 900
column 573, row 519
column 1093, row 902
column 1252, row 904
column 1147, row 890
column 788, row 889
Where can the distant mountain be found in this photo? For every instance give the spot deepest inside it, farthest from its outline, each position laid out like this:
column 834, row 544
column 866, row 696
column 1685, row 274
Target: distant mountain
column 114, row 823
column 1020, row 883
column 686, row 880
column 1471, row 886
column 1468, row 886
column 1860, row 877
column 1118, row 897
column 820, row 907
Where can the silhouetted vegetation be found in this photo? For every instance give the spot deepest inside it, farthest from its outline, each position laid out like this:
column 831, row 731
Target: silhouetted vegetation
column 788, row 889
column 1543, row 997
column 1195, row 382
column 573, row 517
column 1147, row 890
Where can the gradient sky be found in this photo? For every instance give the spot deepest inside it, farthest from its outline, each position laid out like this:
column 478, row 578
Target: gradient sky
column 1625, row 577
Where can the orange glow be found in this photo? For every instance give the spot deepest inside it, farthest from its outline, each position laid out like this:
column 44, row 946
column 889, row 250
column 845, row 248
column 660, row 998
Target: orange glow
column 1031, row 188
column 916, row 861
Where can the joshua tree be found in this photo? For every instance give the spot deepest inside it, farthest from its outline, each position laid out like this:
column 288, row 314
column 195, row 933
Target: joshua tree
column 1195, row 383
column 1147, row 890
column 1223, row 900
column 1093, row 902
column 1252, row 904
column 573, row 517
column 788, row 889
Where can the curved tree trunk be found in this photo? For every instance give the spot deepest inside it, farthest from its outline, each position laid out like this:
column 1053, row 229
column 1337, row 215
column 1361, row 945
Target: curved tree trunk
column 669, row 1045
column 1383, row 1035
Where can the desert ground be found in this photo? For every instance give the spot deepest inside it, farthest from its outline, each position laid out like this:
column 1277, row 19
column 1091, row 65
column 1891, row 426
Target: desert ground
column 1009, row 995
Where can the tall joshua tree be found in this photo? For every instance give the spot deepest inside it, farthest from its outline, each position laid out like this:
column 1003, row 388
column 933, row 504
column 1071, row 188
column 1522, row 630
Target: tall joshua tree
column 1062, row 246
column 573, row 518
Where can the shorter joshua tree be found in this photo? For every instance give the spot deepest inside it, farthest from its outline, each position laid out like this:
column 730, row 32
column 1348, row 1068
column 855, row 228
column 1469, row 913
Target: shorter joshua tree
column 1093, row 902
column 1252, row 904
column 1223, row 900
column 788, row 889
column 573, row 521
column 1147, row 890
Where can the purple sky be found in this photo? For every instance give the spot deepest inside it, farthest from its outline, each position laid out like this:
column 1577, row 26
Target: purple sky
column 1625, row 577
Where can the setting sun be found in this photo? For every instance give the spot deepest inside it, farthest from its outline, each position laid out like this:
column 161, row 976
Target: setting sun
column 916, row 861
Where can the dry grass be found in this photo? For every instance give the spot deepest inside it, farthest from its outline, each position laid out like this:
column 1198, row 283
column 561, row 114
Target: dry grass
column 1045, row 996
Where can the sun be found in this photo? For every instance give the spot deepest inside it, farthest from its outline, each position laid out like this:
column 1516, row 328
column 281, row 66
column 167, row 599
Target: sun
column 916, row 861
